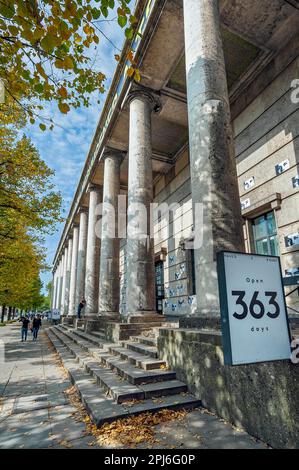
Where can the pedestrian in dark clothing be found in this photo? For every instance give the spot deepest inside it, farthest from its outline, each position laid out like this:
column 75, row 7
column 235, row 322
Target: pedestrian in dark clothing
column 80, row 307
column 36, row 325
column 24, row 330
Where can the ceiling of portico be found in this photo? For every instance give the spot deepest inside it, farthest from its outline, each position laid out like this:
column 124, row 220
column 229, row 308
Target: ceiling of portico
column 251, row 30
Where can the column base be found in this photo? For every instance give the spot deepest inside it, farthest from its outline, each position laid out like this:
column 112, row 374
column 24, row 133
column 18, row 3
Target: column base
column 143, row 317
column 67, row 320
column 201, row 321
column 77, row 322
column 110, row 316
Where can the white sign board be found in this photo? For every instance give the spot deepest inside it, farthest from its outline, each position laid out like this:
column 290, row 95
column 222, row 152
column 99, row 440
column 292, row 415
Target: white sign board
column 55, row 315
column 254, row 320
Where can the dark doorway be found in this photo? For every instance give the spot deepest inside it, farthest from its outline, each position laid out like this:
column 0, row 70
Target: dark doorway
column 159, row 270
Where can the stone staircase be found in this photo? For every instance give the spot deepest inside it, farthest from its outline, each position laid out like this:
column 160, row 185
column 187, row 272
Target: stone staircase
column 117, row 380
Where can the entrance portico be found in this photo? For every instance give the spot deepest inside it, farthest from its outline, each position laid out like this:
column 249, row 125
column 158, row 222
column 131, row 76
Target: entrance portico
column 185, row 153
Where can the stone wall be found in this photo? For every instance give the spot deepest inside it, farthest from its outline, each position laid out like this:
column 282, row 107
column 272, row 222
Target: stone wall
column 170, row 230
column 266, row 135
column 261, row 398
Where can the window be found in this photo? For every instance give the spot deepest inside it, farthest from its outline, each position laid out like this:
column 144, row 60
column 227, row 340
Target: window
column 265, row 235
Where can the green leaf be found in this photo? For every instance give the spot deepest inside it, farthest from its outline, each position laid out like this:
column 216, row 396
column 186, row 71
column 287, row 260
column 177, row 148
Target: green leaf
column 96, row 13
column 48, row 42
column 7, row 11
column 104, row 10
column 39, row 87
column 122, row 21
column 111, row 4
column 129, row 33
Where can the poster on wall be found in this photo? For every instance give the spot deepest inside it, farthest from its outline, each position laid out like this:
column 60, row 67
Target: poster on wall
column 295, row 181
column 248, row 184
column 254, row 320
column 281, row 167
column 291, row 240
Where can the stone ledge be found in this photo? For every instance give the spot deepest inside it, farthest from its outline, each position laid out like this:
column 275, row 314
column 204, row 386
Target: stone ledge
column 262, row 398
column 203, row 322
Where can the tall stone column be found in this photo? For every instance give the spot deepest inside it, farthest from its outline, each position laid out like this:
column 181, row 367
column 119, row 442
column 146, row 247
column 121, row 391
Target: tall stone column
column 54, row 286
column 212, row 162
column 109, row 259
column 140, row 296
column 62, row 310
column 73, row 278
column 57, row 302
column 68, row 276
column 81, row 263
column 92, row 255
column 60, row 282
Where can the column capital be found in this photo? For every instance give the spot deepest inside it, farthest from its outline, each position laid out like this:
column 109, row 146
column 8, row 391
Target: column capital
column 82, row 209
column 74, row 225
column 94, row 187
column 113, row 153
column 146, row 94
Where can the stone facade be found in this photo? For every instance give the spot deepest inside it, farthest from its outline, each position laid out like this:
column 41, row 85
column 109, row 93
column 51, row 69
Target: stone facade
column 211, row 133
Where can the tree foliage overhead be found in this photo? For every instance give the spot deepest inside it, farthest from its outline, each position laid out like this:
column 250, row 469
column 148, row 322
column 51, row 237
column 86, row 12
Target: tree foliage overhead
column 44, row 49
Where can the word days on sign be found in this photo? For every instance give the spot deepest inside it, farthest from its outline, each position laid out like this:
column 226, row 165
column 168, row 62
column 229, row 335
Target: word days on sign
column 254, row 319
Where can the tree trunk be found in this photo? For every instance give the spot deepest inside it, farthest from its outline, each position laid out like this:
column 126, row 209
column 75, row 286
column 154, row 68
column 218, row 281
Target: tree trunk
column 2, row 313
column 9, row 313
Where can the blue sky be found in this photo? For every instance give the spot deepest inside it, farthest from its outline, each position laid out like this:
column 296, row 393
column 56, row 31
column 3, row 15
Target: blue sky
column 65, row 148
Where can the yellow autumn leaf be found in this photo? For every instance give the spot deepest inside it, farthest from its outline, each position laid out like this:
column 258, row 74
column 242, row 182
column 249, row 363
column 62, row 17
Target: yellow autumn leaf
column 68, row 63
column 137, row 76
column 78, row 38
column 40, row 70
column 130, row 72
column 63, row 92
column 64, row 107
column 59, row 64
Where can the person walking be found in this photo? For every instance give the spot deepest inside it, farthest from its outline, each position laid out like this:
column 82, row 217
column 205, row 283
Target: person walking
column 24, row 330
column 36, row 325
column 80, row 307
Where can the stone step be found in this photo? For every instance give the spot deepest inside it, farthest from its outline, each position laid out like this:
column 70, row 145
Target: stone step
column 137, row 359
column 145, row 340
column 83, row 343
column 160, row 389
column 135, row 375
column 141, row 348
column 103, row 409
column 122, row 389
column 93, row 339
column 99, row 334
column 112, row 385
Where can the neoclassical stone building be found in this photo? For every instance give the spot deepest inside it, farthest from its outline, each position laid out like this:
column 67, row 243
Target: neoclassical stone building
column 215, row 122
column 212, row 131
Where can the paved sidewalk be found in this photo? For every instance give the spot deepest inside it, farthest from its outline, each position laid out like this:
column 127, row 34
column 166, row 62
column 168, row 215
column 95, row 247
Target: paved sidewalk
column 36, row 413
